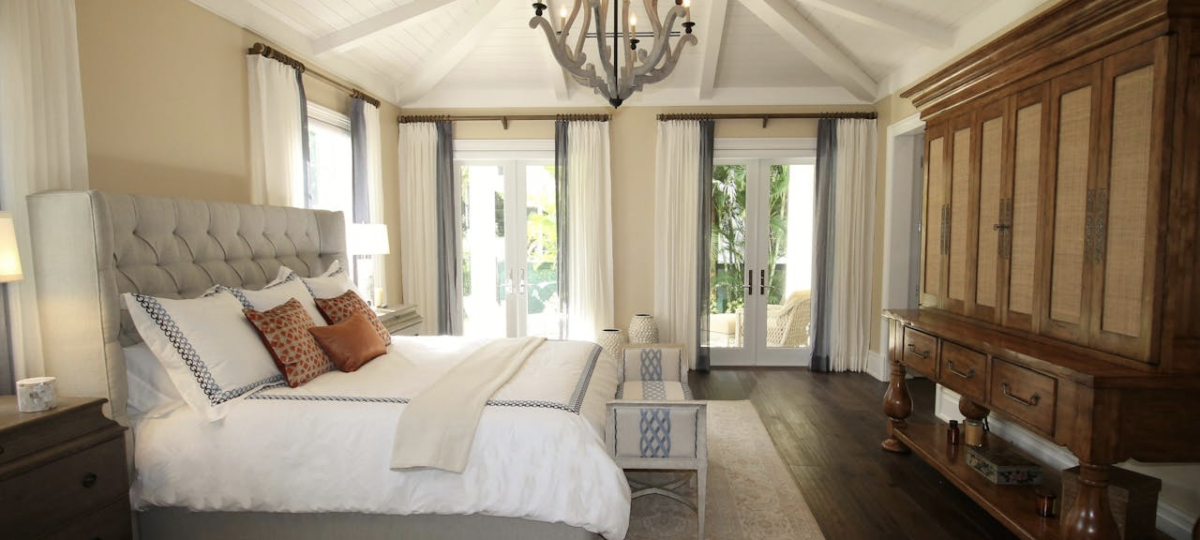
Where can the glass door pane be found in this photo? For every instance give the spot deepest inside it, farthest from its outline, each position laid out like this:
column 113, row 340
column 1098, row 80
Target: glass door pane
column 789, row 255
column 485, row 283
column 540, row 278
column 727, row 260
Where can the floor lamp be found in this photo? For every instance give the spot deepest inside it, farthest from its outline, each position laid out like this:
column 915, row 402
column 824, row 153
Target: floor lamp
column 10, row 270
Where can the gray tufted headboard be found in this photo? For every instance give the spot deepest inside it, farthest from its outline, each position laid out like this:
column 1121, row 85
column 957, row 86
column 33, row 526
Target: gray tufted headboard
column 91, row 246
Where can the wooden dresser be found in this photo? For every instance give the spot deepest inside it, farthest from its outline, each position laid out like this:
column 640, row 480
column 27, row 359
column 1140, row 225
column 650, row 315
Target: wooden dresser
column 63, row 473
column 1060, row 280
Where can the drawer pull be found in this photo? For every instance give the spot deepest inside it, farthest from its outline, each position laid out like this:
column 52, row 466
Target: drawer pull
column 89, row 480
column 912, row 348
column 970, row 372
column 1033, row 400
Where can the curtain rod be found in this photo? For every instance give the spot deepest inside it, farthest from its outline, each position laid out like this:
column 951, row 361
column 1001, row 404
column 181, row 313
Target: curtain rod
column 503, row 119
column 768, row 116
column 274, row 54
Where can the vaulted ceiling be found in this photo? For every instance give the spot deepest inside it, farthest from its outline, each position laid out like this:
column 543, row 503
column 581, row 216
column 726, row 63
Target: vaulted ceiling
column 483, row 53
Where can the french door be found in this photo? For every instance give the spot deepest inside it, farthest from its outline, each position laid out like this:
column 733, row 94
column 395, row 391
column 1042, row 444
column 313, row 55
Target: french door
column 760, row 263
column 509, row 248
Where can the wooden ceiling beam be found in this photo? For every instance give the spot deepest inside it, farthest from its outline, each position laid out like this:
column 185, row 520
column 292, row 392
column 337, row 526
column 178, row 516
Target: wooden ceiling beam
column 711, row 35
column 883, row 16
column 452, row 49
column 345, row 38
column 810, row 41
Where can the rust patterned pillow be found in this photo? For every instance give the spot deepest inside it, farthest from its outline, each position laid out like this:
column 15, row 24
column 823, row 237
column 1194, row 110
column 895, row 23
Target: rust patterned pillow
column 345, row 306
column 284, row 330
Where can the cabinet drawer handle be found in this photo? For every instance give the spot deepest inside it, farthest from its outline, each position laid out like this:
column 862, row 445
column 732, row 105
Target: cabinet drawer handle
column 1033, row 400
column 970, row 372
column 912, row 348
column 89, row 480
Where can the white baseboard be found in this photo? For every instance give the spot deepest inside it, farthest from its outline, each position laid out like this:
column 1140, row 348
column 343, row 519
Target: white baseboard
column 877, row 366
column 1170, row 519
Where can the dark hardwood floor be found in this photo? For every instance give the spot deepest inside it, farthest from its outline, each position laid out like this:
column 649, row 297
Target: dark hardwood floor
column 827, row 428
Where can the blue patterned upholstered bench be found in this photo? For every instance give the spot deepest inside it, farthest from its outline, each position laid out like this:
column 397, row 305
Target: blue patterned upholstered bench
column 655, row 425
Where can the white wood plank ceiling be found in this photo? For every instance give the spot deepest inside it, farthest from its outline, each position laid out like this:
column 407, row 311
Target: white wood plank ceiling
column 482, row 53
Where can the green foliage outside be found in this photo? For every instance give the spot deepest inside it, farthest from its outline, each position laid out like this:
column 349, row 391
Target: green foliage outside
column 727, row 264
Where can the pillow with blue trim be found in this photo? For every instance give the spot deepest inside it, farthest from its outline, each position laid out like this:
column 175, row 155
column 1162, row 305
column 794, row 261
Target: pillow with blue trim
column 334, row 282
column 286, row 287
column 212, row 354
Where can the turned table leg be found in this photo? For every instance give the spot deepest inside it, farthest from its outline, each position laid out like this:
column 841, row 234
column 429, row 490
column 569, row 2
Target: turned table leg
column 897, row 405
column 1091, row 518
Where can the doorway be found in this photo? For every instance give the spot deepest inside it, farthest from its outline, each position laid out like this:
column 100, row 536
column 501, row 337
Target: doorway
column 509, row 232
column 902, row 224
column 760, row 262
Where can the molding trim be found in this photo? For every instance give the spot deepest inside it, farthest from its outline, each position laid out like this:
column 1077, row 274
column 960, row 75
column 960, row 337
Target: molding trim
column 877, row 366
column 1169, row 519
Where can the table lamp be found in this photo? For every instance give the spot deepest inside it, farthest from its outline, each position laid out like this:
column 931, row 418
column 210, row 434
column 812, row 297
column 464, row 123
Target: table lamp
column 10, row 270
column 368, row 239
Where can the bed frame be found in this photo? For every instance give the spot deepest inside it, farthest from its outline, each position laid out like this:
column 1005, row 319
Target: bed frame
column 89, row 247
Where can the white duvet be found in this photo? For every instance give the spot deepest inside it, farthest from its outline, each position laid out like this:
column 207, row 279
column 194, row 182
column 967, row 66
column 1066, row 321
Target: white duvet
column 326, row 446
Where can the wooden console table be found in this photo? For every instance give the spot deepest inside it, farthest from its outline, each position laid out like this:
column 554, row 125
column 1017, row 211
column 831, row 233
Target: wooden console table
column 1103, row 412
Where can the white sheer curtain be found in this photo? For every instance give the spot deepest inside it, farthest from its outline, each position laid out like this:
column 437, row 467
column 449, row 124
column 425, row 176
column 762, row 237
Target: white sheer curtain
column 276, row 136
column 375, row 184
column 676, row 227
column 850, row 327
column 42, row 141
column 418, row 220
column 590, row 267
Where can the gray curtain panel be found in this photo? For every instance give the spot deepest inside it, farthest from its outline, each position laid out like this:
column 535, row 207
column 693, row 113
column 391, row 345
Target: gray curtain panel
column 449, row 271
column 308, row 178
column 358, row 152
column 823, row 238
column 561, row 162
column 707, row 144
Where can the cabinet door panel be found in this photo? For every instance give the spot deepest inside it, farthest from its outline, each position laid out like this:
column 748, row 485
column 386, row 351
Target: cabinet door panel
column 1029, row 159
column 1076, row 96
column 990, row 225
column 960, row 202
column 935, row 200
column 1130, row 176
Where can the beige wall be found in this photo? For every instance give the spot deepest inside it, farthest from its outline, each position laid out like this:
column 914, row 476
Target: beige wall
column 633, row 132
column 166, row 108
column 891, row 109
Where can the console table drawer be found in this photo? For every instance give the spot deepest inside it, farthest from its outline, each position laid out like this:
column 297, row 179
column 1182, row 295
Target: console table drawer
column 920, row 352
column 963, row 371
column 1024, row 394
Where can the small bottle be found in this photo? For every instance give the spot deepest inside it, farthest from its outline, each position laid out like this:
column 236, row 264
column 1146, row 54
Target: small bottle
column 952, row 432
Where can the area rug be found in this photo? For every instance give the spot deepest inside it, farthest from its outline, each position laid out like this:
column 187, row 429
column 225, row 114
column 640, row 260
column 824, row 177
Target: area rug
column 751, row 494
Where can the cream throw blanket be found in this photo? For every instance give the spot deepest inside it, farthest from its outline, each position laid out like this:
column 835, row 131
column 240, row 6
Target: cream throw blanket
column 438, row 426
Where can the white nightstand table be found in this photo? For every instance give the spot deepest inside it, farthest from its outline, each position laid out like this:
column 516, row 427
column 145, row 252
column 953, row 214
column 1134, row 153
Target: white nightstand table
column 402, row 320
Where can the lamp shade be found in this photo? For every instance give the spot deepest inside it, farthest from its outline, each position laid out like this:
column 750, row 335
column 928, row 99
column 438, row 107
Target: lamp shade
column 367, row 239
column 10, row 258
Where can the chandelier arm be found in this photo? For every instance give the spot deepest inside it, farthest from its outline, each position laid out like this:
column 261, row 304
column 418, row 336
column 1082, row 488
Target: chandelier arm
column 672, row 59
column 661, row 45
column 652, row 12
column 600, row 9
column 562, row 54
column 627, row 69
column 583, row 30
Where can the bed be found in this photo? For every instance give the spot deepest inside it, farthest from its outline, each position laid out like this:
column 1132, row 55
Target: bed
column 90, row 247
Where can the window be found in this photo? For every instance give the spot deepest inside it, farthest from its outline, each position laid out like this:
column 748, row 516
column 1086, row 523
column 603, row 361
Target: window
column 331, row 178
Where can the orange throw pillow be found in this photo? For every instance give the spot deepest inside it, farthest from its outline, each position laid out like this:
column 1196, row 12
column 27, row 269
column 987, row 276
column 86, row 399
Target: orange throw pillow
column 351, row 343
column 347, row 305
column 284, row 330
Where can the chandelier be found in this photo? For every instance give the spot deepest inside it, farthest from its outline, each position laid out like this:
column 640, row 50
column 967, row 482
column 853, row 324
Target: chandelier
column 621, row 78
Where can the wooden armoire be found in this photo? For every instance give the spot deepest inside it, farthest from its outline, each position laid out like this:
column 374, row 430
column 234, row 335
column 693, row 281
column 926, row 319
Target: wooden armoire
column 1060, row 280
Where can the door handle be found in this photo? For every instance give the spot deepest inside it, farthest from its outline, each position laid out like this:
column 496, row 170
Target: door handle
column 750, row 280
column 521, row 282
column 762, row 282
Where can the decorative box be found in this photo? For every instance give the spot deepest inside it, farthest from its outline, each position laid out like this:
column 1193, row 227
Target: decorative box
column 1004, row 466
column 1133, row 498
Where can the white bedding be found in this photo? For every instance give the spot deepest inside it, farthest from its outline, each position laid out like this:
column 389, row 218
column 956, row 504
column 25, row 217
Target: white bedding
column 326, row 446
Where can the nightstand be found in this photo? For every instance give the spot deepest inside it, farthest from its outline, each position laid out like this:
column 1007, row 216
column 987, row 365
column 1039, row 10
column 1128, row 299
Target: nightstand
column 63, row 472
column 401, row 321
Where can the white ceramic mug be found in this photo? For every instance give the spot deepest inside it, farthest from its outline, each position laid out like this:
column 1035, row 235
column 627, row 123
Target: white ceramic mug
column 37, row 394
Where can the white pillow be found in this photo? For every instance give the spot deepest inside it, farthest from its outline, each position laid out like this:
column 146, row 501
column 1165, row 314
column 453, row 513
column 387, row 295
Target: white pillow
column 331, row 284
column 276, row 293
column 211, row 352
column 150, row 388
